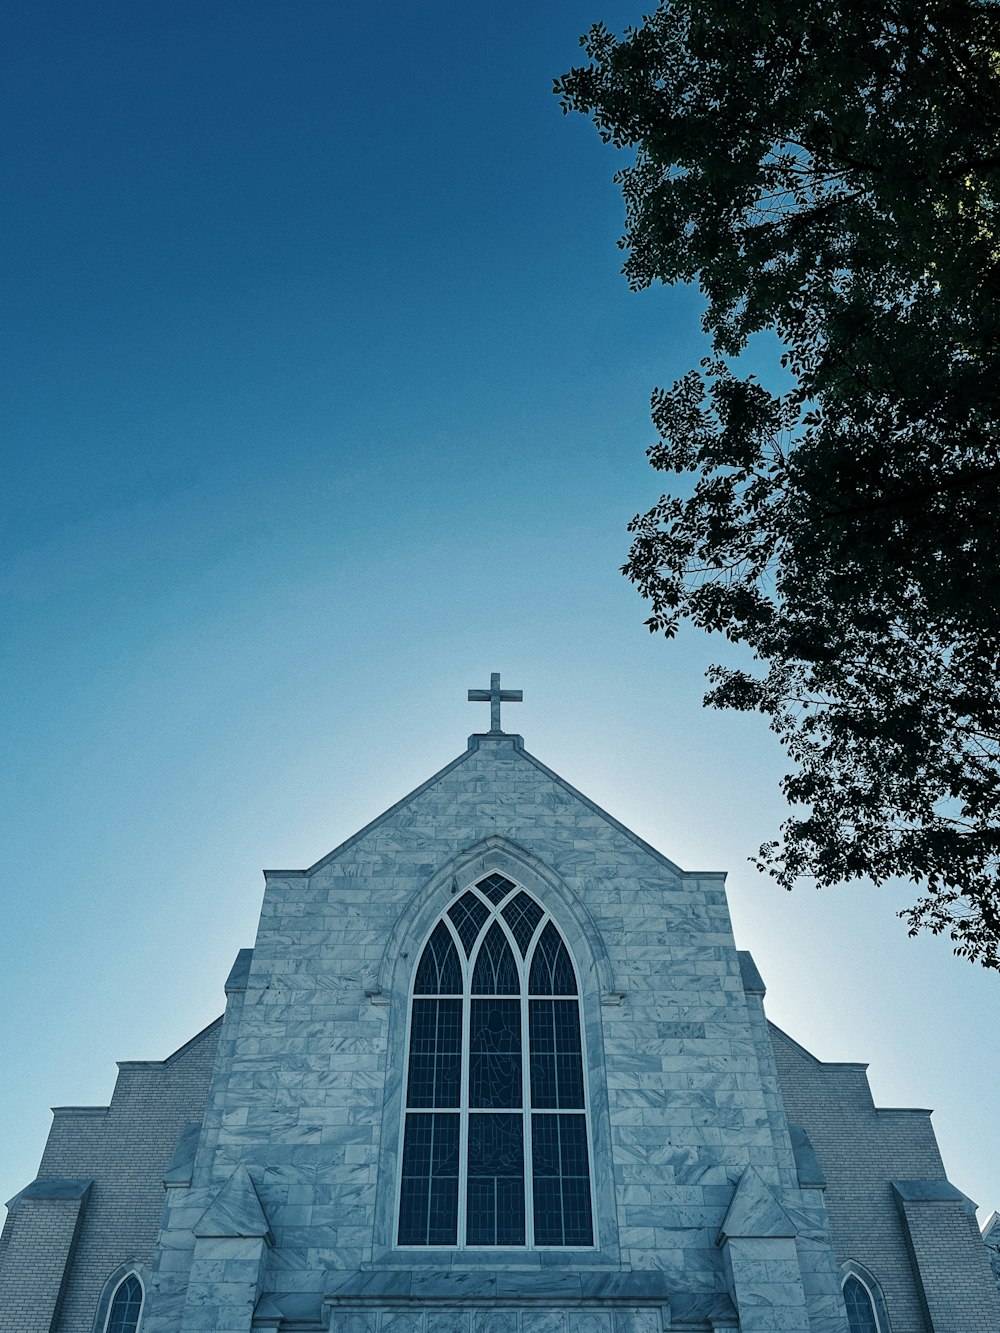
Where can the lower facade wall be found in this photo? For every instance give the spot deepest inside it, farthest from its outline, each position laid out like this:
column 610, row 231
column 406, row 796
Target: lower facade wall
column 636, row 1320
column 954, row 1268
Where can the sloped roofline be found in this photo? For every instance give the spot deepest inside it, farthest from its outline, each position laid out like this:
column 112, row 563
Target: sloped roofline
column 379, row 819
column 857, row 1066
column 822, row 1064
column 79, row 1112
column 518, row 745
column 174, row 1055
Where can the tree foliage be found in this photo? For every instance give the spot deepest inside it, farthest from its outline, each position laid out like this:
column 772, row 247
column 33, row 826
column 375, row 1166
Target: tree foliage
column 830, row 170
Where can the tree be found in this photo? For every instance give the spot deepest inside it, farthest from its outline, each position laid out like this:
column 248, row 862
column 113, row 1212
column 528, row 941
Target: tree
column 830, row 170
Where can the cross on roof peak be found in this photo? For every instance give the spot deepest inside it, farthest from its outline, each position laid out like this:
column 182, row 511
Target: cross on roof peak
column 495, row 696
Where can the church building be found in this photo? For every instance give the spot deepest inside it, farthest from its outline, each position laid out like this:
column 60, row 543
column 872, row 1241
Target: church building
column 493, row 1065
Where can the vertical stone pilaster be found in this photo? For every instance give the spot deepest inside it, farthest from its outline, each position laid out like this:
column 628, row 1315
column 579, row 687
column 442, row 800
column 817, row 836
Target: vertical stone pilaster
column 765, row 1284
column 225, row 1284
column 991, row 1239
column 230, row 1251
column 821, row 1275
column 761, row 1261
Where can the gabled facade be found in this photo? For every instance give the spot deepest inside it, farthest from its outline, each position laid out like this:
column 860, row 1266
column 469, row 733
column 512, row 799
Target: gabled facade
column 494, row 1065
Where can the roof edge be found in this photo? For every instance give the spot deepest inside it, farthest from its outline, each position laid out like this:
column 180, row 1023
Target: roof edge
column 52, row 1188
column 379, row 819
column 904, row 1110
column 517, row 744
column 617, row 824
column 858, row 1065
column 174, row 1055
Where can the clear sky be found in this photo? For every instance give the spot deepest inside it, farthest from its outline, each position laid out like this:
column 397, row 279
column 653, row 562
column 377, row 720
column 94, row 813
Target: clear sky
column 323, row 398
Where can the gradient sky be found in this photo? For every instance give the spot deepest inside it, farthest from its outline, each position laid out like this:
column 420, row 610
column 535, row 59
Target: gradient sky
column 323, row 398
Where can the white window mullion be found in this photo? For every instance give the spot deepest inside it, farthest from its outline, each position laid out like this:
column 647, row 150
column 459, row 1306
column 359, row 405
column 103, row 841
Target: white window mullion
column 463, row 1096
column 405, row 1103
column 529, row 1193
column 587, row 1127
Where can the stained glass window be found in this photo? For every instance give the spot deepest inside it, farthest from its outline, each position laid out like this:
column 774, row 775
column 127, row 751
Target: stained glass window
column 440, row 972
column 435, row 1053
column 468, row 914
column 495, row 887
column 495, row 1139
column 428, row 1208
column 522, row 914
column 496, row 971
column 495, row 1053
column 556, row 1058
column 126, row 1306
column 860, row 1312
column 495, row 1206
column 551, row 969
column 561, row 1180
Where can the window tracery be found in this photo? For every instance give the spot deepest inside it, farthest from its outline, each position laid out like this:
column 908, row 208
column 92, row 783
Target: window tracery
column 126, row 1306
column 495, row 1135
column 861, row 1316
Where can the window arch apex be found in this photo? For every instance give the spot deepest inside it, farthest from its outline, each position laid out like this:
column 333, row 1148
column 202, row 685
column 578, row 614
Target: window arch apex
column 863, row 1300
column 125, row 1307
column 494, row 854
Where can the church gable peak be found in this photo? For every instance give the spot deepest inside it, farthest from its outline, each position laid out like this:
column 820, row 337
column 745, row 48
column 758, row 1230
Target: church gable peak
column 497, row 759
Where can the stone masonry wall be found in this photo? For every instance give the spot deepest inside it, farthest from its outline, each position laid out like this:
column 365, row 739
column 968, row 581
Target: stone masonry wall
column 311, row 1092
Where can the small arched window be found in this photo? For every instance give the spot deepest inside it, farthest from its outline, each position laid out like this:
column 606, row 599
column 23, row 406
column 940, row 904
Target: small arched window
column 861, row 1316
column 495, row 1139
column 125, row 1310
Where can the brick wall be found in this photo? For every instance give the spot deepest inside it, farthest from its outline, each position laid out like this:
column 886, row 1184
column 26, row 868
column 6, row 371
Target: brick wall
column 927, row 1257
column 123, row 1149
column 861, row 1149
column 41, row 1237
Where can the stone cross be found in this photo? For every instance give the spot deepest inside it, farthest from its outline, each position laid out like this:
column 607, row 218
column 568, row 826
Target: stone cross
column 495, row 695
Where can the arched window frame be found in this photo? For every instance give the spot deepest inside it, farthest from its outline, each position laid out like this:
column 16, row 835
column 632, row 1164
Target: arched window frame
column 112, row 1286
column 852, row 1269
column 390, row 987
column 465, row 1111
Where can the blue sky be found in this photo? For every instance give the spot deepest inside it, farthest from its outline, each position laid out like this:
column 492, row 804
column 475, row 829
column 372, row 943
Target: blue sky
column 324, row 398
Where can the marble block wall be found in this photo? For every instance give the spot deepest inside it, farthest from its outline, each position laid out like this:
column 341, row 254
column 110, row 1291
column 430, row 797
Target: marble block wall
column 308, row 1084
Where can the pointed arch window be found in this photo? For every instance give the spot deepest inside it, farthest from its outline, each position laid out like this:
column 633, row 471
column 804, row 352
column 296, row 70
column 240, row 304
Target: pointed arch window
column 125, row 1310
column 496, row 1142
column 861, row 1316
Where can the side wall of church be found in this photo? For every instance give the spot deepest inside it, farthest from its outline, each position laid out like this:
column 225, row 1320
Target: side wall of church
column 122, row 1150
column 918, row 1239
column 309, row 1094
